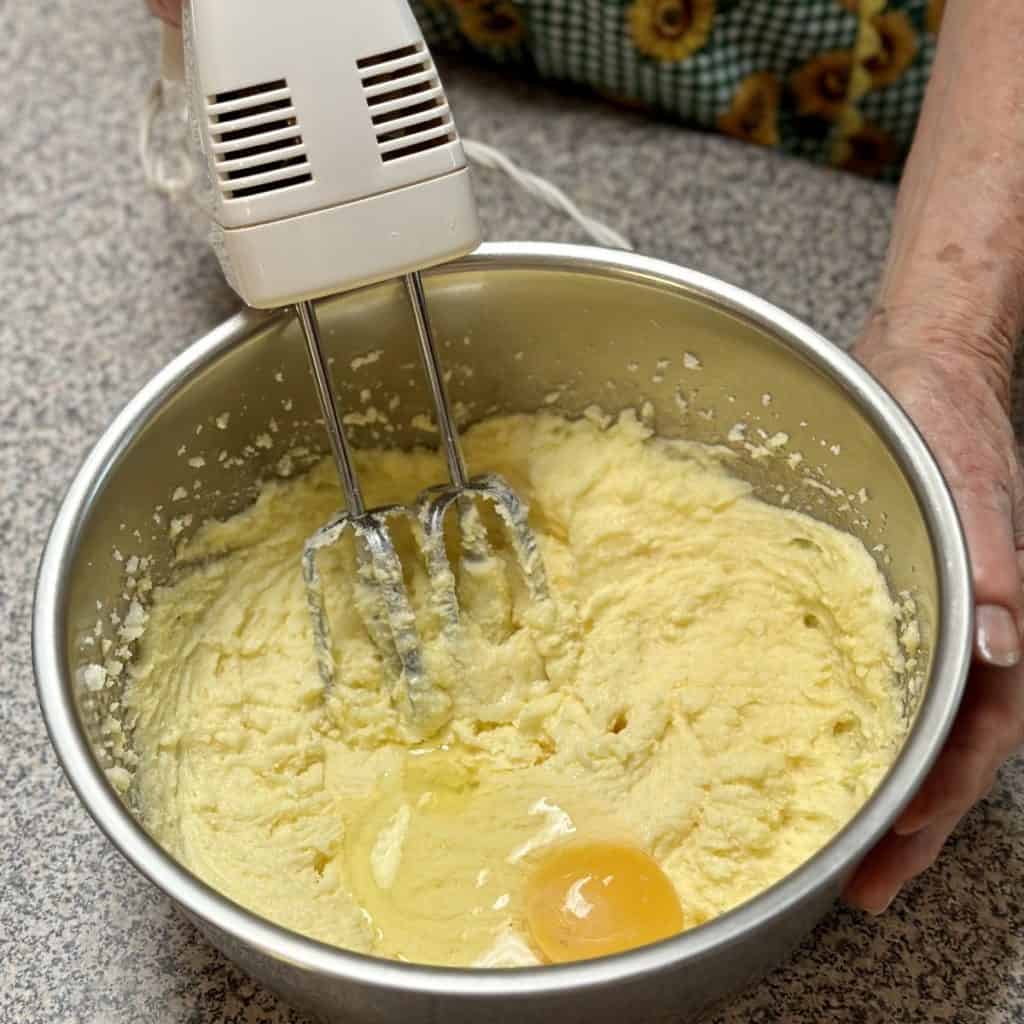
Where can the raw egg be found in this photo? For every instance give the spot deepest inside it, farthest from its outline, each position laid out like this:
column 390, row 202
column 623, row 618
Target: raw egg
column 587, row 900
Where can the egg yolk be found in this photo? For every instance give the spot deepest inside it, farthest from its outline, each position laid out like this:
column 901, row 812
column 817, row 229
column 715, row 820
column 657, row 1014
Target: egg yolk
column 588, row 900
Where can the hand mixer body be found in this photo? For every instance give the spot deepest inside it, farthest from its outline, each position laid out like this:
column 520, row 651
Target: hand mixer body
column 332, row 160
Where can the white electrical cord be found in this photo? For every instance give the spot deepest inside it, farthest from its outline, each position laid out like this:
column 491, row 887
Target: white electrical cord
column 540, row 188
column 171, row 171
column 173, row 182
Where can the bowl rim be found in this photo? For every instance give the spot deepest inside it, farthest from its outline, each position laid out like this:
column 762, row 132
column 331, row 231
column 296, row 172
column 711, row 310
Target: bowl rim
column 822, row 871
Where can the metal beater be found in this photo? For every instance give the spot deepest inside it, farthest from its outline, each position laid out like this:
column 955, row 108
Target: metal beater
column 389, row 616
column 333, row 162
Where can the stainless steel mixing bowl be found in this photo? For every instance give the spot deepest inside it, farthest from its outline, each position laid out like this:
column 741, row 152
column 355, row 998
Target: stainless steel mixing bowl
column 524, row 326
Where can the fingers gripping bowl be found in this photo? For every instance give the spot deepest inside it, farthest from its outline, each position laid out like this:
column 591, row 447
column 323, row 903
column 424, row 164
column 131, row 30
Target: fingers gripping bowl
column 528, row 327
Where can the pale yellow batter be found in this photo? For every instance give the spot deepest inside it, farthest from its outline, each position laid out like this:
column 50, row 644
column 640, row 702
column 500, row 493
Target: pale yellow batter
column 714, row 683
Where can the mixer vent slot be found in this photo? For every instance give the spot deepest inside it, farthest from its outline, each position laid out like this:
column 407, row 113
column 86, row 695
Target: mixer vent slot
column 407, row 104
column 256, row 141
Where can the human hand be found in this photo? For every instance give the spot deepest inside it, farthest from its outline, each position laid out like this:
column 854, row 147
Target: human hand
column 167, row 10
column 959, row 401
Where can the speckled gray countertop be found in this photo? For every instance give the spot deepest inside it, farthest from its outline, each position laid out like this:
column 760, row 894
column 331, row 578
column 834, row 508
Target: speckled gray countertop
column 102, row 283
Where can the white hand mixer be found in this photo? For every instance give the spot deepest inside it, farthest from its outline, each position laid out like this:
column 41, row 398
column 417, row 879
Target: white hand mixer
column 332, row 162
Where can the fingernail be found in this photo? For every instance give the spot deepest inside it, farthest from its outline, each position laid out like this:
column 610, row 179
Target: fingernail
column 998, row 640
column 878, row 909
column 910, row 825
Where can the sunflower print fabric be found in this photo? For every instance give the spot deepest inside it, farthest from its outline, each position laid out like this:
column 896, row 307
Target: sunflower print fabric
column 837, row 81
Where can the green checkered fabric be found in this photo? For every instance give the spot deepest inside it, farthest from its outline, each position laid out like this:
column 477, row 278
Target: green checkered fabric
column 838, row 81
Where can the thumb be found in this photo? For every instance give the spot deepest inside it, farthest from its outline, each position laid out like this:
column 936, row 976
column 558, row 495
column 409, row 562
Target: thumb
column 986, row 513
column 168, row 10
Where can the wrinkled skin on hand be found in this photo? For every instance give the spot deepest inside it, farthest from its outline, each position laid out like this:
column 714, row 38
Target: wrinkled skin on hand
column 963, row 415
